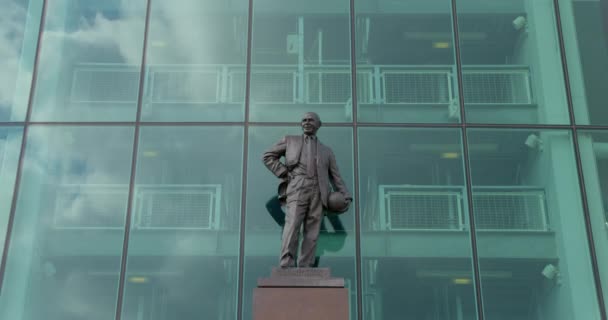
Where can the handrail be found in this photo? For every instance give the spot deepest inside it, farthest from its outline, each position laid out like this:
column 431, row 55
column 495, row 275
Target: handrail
column 141, row 191
column 379, row 84
column 492, row 207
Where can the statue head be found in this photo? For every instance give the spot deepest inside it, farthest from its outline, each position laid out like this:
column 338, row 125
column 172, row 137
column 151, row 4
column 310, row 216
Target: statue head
column 310, row 123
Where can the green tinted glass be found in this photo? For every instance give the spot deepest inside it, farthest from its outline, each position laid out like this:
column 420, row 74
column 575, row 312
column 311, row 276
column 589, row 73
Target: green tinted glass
column 10, row 147
column 405, row 62
column 511, row 62
column 90, row 61
column 184, row 239
column 19, row 25
column 196, row 61
column 65, row 250
column 531, row 240
column 300, row 60
column 594, row 160
column 415, row 240
column 586, row 47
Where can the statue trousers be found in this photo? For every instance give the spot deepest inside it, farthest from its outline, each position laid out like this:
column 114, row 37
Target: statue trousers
column 304, row 208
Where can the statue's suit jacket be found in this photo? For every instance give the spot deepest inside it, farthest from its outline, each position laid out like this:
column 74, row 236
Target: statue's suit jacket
column 291, row 147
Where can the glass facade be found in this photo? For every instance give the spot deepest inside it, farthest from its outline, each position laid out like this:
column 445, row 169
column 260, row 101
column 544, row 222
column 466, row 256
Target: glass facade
column 89, row 61
column 19, row 24
column 472, row 134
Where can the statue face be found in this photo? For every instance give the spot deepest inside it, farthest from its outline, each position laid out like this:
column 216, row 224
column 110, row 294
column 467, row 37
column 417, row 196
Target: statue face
column 310, row 123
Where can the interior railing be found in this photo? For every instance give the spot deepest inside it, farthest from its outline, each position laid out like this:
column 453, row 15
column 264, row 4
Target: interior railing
column 443, row 208
column 155, row 206
column 288, row 84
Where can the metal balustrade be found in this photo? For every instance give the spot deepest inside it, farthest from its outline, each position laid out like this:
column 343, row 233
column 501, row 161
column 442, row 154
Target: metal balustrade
column 328, row 86
column 236, row 85
column 312, row 84
column 416, row 86
column 401, row 207
column 420, row 208
column 186, row 85
column 156, row 206
column 178, row 207
column 486, row 85
column 268, row 85
column 441, row 208
column 273, row 86
column 510, row 209
column 105, row 83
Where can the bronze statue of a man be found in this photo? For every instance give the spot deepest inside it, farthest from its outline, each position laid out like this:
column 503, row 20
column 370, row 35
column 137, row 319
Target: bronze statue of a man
column 306, row 174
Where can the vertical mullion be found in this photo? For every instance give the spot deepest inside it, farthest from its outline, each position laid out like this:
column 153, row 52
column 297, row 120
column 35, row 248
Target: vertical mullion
column 579, row 165
column 127, row 230
column 472, row 228
column 586, row 213
column 240, row 285
column 467, row 167
column 459, row 77
column 353, row 64
column 562, row 49
column 28, row 115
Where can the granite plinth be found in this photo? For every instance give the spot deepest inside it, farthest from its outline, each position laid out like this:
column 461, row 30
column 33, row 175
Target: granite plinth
column 301, row 277
column 300, row 294
column 300, row 304
column 301, row 272
column 298, row 282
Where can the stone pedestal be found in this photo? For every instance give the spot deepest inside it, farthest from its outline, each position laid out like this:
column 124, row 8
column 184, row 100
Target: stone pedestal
column 300, row 293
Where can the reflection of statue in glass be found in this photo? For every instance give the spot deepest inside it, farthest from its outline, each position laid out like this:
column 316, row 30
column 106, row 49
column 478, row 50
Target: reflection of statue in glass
column 306, row 174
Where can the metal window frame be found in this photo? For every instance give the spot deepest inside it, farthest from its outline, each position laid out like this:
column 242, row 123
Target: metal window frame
column 572, row 127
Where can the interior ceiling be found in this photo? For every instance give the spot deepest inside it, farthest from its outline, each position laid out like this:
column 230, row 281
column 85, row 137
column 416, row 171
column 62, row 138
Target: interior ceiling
column 411, row 39
column 494, row 142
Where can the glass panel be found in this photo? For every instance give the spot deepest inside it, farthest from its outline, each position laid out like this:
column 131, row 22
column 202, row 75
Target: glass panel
column 415, row 241
column 533, row 249
column 512, row 68
column 10, row 147
column 405, row 62
column 184, row 240
column 19, row 25
column 64, row 256
column 336, row 245
column 585, row 25
column 300, row 60
column 196, row 61
column 594, row 159
column 90, row 61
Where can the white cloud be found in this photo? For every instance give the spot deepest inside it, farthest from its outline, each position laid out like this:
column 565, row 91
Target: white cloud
column 78, row 175
column 12, row 23
column 105, row 36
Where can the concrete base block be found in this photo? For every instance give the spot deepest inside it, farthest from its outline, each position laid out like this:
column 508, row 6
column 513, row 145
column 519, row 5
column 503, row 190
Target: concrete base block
column 284, row 303
column 300, row 294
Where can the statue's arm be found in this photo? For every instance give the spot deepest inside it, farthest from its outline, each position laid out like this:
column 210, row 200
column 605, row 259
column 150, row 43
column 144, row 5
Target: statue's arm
column 336, row 178
column 272, row 156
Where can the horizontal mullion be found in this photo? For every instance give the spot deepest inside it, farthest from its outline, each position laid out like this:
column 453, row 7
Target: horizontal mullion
column 327, row 124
